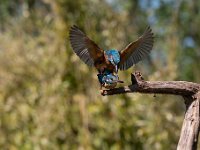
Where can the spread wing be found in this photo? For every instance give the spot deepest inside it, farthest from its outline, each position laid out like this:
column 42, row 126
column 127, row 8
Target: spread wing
column 86, row 49
column 136, row 50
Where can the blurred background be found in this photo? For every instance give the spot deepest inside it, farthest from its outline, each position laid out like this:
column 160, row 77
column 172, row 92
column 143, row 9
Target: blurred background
column 49, row 99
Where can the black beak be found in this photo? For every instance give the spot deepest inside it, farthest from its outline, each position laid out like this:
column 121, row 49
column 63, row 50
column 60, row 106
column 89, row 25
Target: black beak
column 119, row 81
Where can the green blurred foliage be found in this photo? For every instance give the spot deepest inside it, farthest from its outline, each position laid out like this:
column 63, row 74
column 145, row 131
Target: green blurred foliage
column 49, row 99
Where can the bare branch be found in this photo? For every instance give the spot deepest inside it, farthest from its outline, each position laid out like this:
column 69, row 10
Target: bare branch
column 190, row 92
column 190, row 129
column 183, row 88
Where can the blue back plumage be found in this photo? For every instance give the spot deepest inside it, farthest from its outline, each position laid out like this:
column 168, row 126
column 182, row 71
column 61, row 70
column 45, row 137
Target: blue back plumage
column 113, row 56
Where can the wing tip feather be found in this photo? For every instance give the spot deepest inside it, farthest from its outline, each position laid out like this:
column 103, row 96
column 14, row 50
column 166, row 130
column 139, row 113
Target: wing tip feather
column 143, row 50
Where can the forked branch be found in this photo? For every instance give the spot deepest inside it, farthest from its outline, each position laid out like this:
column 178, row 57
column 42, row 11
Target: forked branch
column 191, row 94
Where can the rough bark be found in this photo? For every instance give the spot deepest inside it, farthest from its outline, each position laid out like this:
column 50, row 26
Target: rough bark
column 190, row 129
column 191, row 94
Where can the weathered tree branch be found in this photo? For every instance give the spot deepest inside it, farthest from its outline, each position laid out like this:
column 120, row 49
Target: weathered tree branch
column 190, row 129
column 191, row 94
column 157, row 87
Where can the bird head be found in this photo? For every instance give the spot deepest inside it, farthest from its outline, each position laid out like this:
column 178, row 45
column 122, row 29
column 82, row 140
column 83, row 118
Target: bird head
column 113, row 57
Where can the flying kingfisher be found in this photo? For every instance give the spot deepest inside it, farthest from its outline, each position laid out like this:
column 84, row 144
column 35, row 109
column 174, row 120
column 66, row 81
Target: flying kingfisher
column 110, row 60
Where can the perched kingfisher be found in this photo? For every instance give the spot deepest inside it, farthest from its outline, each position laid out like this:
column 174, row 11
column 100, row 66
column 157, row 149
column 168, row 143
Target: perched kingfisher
column 108, row 80
column 110, row 60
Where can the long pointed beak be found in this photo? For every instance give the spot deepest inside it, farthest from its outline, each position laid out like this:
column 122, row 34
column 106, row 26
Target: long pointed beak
column 119, row 81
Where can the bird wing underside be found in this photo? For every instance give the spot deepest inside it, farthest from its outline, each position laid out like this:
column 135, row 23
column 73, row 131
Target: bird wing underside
column 85, row 48
column 136, row 50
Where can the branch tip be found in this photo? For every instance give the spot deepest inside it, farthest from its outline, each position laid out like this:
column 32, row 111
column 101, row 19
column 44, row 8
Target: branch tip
column 136, row 77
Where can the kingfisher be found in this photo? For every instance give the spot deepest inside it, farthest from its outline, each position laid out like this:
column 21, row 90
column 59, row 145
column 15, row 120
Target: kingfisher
column 110, row 60
column 108, row 80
